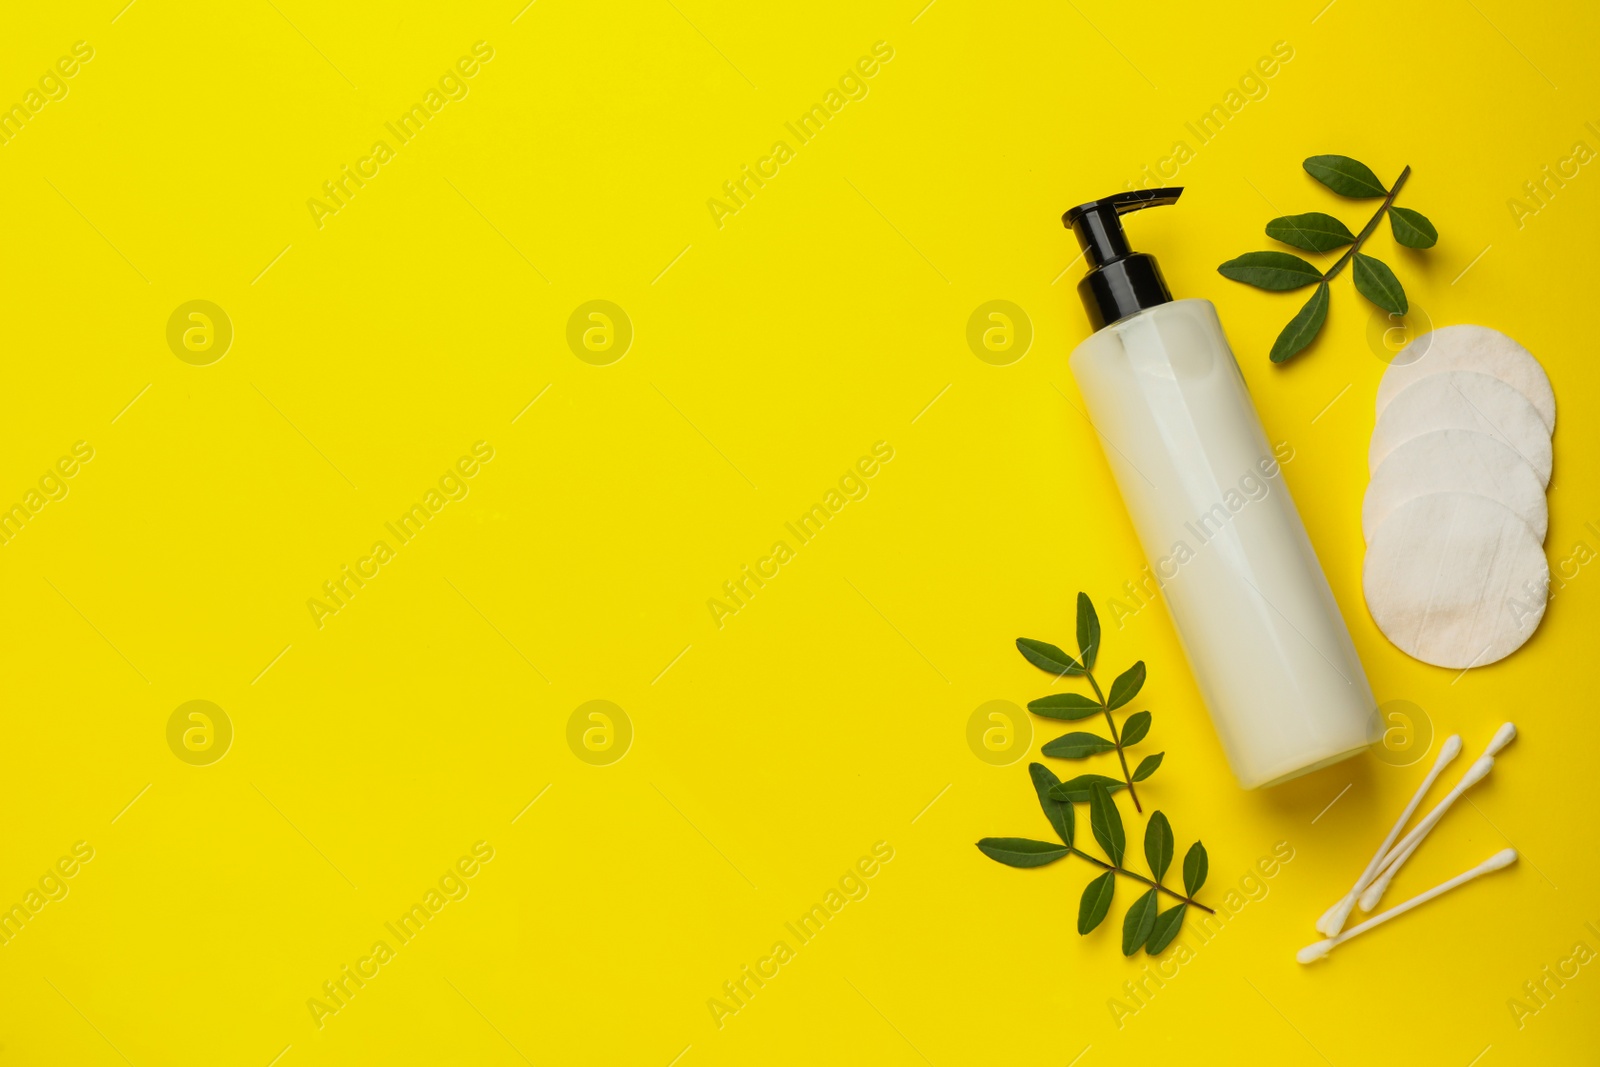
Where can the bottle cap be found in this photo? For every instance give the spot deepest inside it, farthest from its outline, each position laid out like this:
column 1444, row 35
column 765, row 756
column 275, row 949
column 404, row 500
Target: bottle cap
column 1120, row 282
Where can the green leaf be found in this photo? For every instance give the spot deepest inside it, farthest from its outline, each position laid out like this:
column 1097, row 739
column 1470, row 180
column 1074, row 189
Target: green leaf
column 1106, row 822
column 1195, row 866
column 1069, row 706
column 1088, row 631
column 1058, row 812
column 1345, row 176
column 1147, row 766
column 1021, row 852
column 1158, row 845
column 1135, row 728
column 1313, row 231
column 1412, row 228
column 1304, row 327
column 1126, row 687
column 1076, row 790
column 1277, row 271
column 1047, row 657
column 1168, row 923
column 1096, row 901
column 1078, row 745
column 1376, row 282
column 1137, row 924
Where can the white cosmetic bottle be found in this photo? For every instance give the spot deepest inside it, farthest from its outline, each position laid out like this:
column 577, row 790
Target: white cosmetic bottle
column 1259, row 625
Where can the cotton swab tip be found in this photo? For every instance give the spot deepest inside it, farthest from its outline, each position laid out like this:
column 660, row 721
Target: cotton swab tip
column 1313, row 953
column 1333, row 919
column 1503, row 858
column 1450, row 749
column 1502, row 737
column 1476, row 772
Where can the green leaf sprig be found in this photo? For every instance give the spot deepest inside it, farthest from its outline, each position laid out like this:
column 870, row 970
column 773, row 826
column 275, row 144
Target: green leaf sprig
column 1073, row 706
column 1318, row 232
column 1145, row 925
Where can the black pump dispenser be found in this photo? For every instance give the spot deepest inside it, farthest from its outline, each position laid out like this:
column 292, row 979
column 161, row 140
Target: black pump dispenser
column 1120, row 282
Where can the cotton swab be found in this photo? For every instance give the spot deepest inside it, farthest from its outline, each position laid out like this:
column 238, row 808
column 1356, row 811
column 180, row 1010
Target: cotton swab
column 1333, row 919
column 1502, row 737
column 1315, row 952
column 1400, row 853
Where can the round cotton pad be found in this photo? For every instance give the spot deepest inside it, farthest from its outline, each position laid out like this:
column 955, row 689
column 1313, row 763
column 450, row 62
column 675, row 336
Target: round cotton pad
column 1455, row 580
column 1460, row 461
column 1463, row 400
column 1474, row 348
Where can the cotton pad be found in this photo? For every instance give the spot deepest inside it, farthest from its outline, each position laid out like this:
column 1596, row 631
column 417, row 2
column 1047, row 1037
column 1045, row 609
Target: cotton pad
column 1455, row 580
column 1471, row 348
column 1462, row 461
column 1463, row 400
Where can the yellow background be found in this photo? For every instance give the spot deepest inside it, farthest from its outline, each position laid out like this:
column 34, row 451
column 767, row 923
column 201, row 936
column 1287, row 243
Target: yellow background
column 769, row 354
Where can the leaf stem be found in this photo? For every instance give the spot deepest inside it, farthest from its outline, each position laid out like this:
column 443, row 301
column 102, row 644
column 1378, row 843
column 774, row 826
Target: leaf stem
column 1366, row 231
column 1116, row 739
column 1141, row 878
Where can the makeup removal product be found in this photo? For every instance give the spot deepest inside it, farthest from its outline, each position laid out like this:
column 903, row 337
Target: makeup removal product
column 1408, row 844
column 1455, row 461
column 1455, row 516
column 1497, row 862
column 1456, row 580
column 1463, row 400
column 1263, row 635
column 1332, row 920
column 1471, row 348
column 1390, row 856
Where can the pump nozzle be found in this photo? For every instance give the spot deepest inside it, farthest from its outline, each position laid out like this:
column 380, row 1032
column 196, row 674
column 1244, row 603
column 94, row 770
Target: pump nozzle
column 1120, row 282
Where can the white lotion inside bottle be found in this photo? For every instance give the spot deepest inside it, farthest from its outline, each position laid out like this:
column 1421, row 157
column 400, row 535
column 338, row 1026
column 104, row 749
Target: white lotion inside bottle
column 1205, row 490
